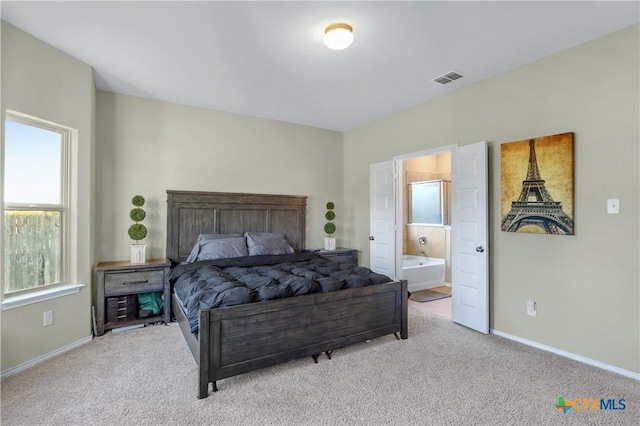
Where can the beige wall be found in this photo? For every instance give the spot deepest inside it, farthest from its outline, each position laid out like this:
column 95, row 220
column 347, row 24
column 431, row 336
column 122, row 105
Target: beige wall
column 435, row 245
column 44, row 82
column 586, row 285
column 146, row 147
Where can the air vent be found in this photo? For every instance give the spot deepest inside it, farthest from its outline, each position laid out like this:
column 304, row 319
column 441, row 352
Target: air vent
column 448, row 77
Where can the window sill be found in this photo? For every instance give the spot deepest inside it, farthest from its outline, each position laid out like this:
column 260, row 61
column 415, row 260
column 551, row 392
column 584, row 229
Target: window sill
column 39, row 296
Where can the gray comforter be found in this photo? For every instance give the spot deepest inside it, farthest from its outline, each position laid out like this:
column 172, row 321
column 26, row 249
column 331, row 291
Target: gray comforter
column 229, row 282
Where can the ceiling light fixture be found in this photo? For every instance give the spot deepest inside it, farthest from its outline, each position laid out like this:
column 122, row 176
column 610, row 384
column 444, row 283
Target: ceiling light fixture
column 338, row 36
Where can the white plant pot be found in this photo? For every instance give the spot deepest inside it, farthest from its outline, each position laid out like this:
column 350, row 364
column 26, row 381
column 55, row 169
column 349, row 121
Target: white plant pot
column 138, row 253
column 329, row 243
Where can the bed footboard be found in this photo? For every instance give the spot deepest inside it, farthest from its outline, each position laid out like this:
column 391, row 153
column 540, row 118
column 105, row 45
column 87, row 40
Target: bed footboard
column 244, row 338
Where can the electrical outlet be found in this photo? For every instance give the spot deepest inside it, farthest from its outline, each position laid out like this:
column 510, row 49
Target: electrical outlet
column 531, row 308
column 48, row 318
column 613, row 206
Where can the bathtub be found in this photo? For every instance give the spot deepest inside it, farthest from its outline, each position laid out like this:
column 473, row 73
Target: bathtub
column 422, row 272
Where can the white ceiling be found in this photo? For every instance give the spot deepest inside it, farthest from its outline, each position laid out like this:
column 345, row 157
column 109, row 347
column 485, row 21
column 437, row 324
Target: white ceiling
column 267, row 59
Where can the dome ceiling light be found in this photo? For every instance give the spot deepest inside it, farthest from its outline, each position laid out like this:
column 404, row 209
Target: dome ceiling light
column 338, row 36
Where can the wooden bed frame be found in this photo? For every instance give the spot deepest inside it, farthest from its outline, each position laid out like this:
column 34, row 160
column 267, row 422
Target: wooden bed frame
column 238, row 339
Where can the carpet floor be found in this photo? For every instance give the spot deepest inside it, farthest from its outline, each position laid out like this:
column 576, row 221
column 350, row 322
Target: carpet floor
column 444, row 374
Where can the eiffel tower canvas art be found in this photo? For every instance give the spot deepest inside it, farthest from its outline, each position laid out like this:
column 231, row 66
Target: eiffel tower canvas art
column 537, row 185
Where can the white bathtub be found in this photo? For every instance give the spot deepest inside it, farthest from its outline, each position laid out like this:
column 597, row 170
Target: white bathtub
column 422, row 272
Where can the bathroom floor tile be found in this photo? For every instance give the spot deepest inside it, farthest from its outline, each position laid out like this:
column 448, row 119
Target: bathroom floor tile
column 442, row 289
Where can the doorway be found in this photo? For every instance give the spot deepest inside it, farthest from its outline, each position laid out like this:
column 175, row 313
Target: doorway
column 469, row 253
column 424, row 243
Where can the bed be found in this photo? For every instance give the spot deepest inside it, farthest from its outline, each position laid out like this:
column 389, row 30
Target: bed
column 237, row 339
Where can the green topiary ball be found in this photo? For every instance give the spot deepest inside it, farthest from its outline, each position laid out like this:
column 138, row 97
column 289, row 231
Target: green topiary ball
column 137, row 214
column 329, row 215
column 138, row 201
column 330, row 206
column 137, row 231
column 329, row 228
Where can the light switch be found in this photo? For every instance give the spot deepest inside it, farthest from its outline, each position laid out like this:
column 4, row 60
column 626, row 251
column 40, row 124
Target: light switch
column 613, row 206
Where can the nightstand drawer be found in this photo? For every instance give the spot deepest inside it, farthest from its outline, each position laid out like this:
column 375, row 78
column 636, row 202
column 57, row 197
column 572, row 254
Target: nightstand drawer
column 341, row 255
column 133, row 282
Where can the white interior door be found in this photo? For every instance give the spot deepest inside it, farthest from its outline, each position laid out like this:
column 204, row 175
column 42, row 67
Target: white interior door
column 382, row 213
column 469, row 237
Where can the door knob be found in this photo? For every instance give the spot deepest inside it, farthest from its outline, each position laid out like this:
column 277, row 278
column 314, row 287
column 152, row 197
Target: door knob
column 371, row 238
column 480, row 249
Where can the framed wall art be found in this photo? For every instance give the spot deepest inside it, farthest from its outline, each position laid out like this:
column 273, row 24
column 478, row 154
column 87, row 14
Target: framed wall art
column 537, row 185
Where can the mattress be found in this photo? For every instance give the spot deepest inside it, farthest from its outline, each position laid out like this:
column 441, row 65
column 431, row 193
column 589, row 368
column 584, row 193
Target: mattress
column 221, row 283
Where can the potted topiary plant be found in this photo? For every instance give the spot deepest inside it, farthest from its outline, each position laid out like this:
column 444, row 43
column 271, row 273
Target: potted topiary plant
column 330, row 228
column 137, row 231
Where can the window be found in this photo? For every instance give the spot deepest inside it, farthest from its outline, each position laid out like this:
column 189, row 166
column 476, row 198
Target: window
column 36, row 204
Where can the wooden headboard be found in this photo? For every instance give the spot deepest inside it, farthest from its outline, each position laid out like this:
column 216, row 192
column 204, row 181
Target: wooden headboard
column 190, row 213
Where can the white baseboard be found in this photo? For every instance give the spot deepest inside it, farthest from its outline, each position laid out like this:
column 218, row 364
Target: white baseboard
column 579, row 358
column 38, row 360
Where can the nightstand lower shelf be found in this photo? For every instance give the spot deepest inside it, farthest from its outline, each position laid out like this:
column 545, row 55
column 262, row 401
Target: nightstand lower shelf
column 127, row 323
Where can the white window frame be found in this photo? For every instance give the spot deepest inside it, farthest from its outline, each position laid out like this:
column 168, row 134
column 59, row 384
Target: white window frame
column 66, row 207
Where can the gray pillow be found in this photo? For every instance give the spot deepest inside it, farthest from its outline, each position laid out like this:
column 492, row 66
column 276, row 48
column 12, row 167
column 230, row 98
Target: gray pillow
column 267, row 243
column 206, row 237
column 222, row 248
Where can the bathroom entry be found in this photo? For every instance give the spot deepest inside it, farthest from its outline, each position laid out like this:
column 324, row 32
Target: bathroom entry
column 425, row 220
column 467, row 241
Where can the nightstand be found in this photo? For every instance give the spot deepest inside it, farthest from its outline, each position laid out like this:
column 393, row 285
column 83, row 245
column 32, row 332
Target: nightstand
column 119, row 284
column 341, row 254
